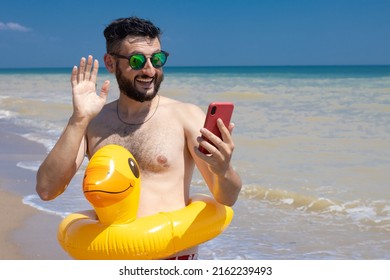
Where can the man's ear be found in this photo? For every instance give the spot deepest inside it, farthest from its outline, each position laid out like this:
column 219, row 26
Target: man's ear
column 109, row 63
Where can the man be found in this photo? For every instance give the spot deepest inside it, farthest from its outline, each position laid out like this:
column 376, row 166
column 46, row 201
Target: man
column 161, row 133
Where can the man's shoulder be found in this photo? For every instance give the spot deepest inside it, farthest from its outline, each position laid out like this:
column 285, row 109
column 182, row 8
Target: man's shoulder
column 189, row 115
column 178, row 106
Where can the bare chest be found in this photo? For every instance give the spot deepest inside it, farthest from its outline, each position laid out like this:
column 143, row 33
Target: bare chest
column 156, row 147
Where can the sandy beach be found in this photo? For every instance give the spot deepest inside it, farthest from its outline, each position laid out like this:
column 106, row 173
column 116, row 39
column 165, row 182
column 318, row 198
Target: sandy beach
column 26, row 233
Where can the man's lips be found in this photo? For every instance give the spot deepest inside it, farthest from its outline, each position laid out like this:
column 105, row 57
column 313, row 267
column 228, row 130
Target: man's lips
column 145, row 82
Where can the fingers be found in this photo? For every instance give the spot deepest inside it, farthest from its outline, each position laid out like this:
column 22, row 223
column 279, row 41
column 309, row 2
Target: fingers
column 225, row 132
column 87, row 71
column 105, row 89
column 212, row 143
column 220, row 149
column 81, row 70
column 217, row 158
column 226, row 138
column 95, row 70
column 231, row 127
column 73, row 77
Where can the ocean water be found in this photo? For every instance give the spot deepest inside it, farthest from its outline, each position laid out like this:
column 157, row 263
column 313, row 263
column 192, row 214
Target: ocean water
column 312, row 148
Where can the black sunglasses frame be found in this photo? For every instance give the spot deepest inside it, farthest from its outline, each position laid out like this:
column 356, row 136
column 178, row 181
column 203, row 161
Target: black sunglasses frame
column 143, row 65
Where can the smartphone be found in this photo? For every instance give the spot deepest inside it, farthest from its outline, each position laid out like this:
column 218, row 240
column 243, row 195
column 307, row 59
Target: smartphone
column 217, row 110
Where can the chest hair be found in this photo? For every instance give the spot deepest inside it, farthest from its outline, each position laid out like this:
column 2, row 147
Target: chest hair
column 151, row 145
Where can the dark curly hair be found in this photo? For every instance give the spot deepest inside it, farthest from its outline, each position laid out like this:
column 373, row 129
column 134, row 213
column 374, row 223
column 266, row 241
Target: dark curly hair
column 120, row 28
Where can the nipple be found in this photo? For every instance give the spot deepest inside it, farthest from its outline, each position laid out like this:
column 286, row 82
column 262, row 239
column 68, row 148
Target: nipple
column 162, row 160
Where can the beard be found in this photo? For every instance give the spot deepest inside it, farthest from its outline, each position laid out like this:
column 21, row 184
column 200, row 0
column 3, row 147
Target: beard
column 127, row 86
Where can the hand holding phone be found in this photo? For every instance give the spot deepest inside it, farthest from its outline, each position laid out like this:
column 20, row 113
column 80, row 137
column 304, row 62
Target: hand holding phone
column 215, row 111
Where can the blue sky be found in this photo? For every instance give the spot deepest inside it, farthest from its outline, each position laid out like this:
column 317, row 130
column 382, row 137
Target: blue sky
column 54, row 33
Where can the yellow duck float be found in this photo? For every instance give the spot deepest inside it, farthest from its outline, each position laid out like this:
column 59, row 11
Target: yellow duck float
column 112, row 184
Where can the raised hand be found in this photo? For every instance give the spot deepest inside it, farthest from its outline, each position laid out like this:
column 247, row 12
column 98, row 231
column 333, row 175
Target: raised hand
column 220, row 154
column 86, row 103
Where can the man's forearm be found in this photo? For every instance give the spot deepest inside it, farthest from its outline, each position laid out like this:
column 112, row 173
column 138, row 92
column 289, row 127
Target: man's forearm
column 61, row 163
column 227, row 187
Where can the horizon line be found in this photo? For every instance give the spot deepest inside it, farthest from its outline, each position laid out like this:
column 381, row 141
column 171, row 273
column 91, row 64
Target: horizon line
column 210, row 66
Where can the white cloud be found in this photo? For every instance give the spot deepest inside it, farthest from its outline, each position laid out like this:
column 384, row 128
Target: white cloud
column 13, row 26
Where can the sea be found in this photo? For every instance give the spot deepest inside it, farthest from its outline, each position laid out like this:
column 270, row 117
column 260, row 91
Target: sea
column 312, row 146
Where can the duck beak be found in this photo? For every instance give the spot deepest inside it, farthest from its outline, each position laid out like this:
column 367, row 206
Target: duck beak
column 104, row 186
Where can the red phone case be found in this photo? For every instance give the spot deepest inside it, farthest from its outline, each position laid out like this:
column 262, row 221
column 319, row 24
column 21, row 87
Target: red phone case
column 217, row 110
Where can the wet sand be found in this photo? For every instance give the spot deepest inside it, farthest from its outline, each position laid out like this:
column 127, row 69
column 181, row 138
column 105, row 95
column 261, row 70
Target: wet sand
column 25, row 233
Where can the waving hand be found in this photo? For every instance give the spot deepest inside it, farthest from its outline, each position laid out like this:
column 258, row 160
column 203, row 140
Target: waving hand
column 86, row 103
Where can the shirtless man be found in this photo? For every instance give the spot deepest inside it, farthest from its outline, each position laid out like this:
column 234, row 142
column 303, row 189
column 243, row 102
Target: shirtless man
column 163, row 134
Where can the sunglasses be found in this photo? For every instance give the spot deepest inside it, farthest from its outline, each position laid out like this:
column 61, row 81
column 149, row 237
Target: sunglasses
column 138, row 61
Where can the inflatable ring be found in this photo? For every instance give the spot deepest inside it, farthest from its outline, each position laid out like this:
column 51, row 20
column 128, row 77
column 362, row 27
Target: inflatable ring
column 112, row 185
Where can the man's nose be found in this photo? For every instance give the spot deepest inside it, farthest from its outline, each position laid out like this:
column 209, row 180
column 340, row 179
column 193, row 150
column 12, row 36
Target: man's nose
column 149, row 68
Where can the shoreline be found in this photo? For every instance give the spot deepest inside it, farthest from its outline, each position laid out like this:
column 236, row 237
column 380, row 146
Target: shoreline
column 26, row 233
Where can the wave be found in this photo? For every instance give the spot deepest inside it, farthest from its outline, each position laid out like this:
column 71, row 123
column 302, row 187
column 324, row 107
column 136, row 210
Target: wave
column 32, row 199
column 38, row 138
column 5, row 114
column 366, row 213
column 284, row 197
column 29, row 165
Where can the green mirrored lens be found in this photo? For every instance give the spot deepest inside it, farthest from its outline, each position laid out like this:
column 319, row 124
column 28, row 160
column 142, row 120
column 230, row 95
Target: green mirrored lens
column 158, row 59
column 137, row 61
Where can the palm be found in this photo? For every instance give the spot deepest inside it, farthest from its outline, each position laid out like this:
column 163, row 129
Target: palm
column 86, row 102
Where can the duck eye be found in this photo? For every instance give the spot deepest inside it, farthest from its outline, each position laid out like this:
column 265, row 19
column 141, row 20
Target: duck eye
column 134, row 167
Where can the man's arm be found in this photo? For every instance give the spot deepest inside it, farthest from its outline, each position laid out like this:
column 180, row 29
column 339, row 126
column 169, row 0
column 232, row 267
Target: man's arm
column 62, row 162
column 65, row 158
column 223, row 181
